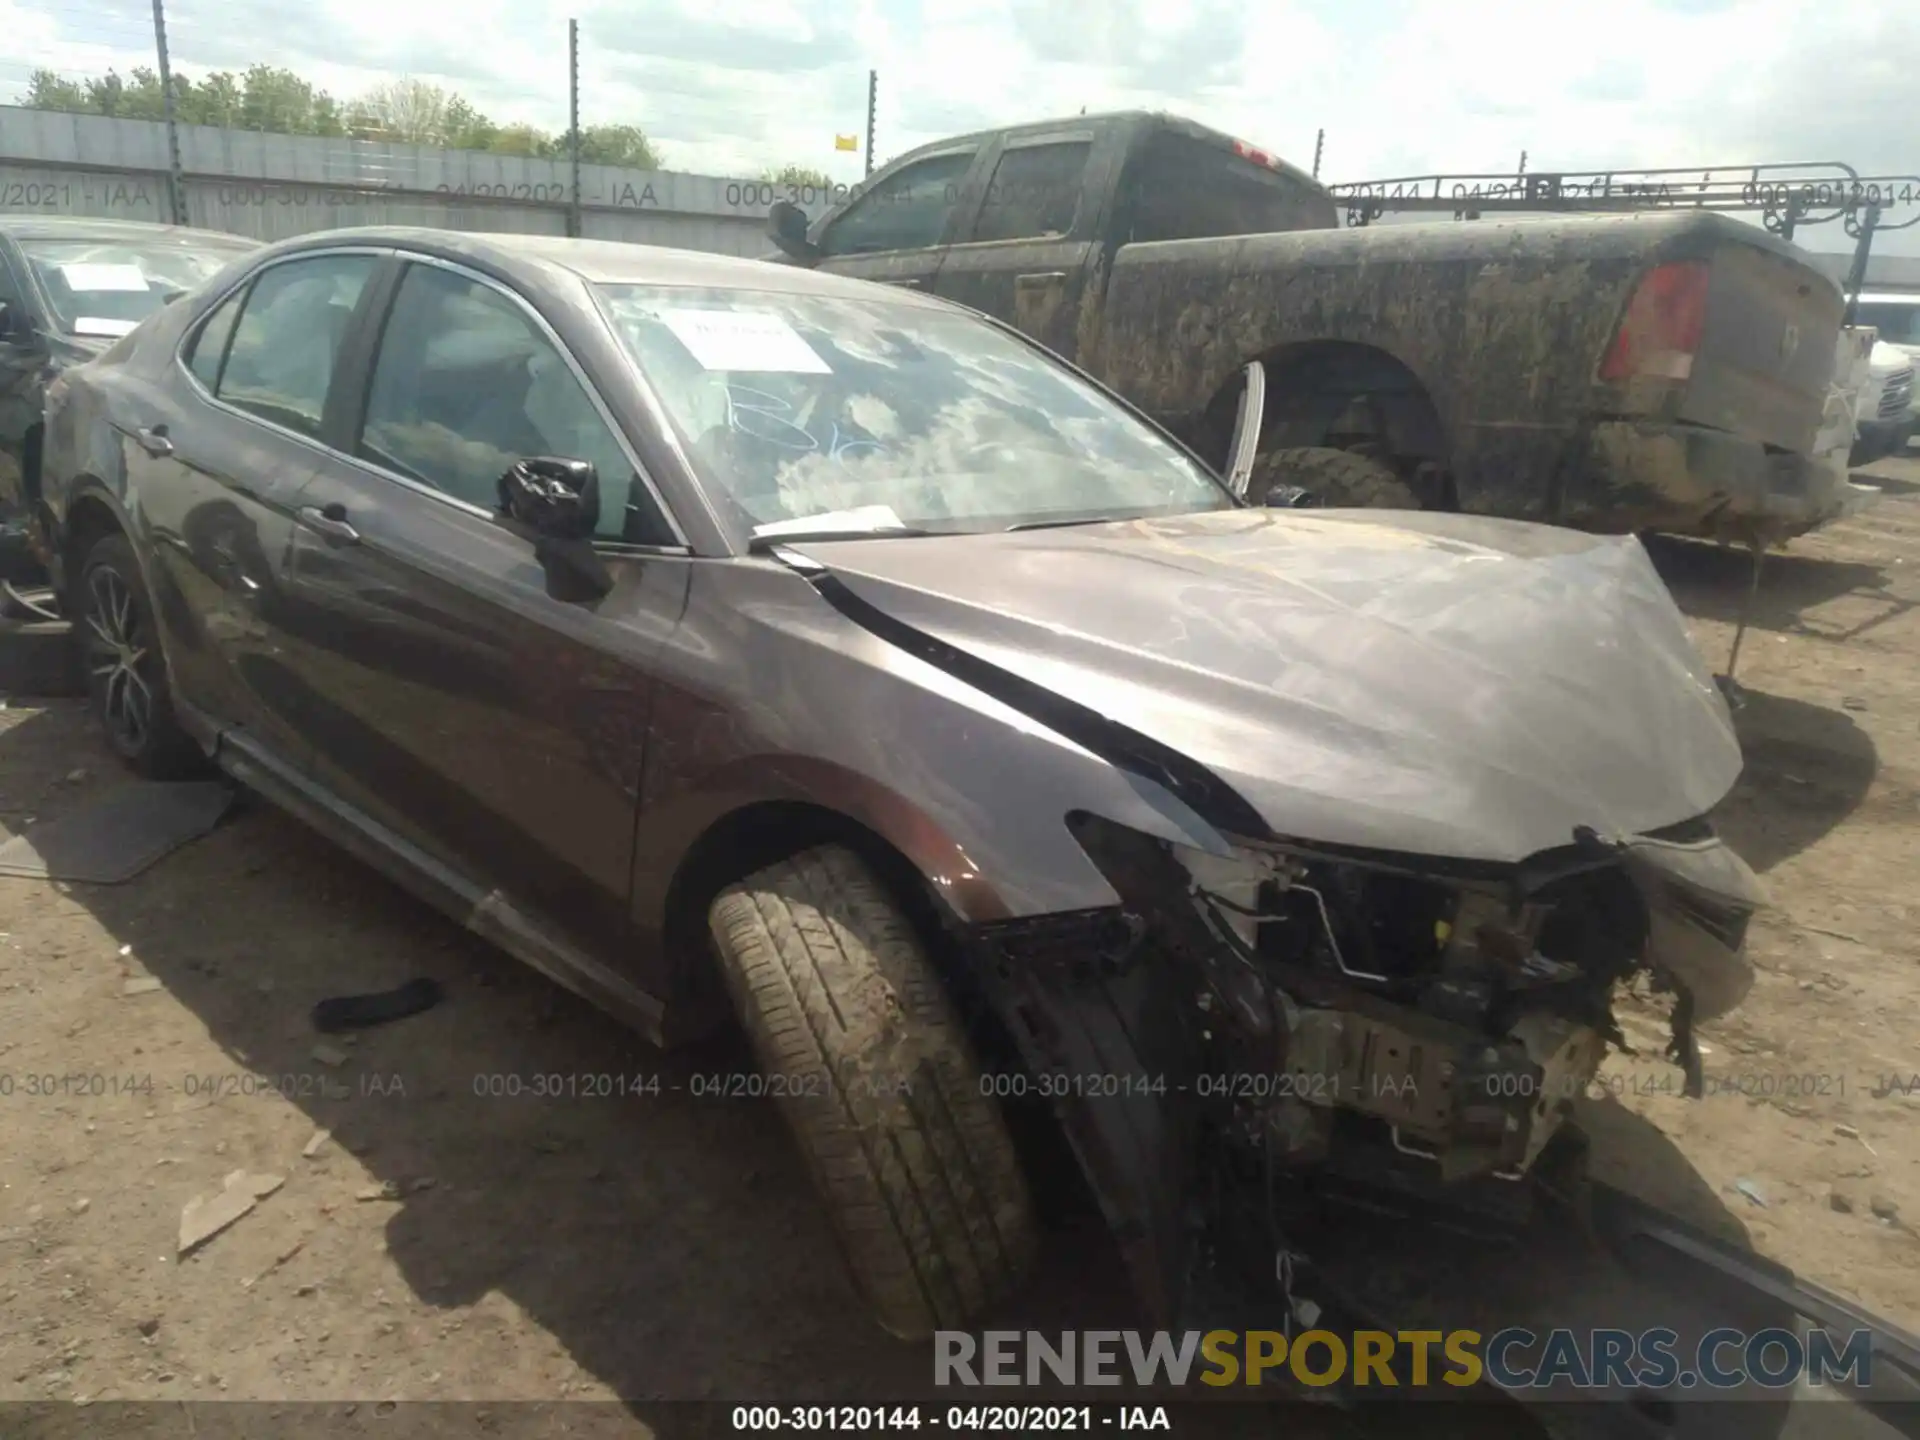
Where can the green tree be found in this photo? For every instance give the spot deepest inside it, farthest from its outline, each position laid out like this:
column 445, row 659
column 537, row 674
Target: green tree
column 48, row 91
column 141, row 98
column 617, row 145
column 214, row 101
column 271, row 99
column 465, row 128
column 802, row 176
column 281, row 102
column 521, row 140
column 414, row 112
column 106, row 94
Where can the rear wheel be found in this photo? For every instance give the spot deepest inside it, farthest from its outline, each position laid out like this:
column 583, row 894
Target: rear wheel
column 1336, row 477
column 880, row 1087
column 126, row 673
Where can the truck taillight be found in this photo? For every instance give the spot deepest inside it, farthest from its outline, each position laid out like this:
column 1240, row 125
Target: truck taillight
column 1662, row 327
column 1257, row 156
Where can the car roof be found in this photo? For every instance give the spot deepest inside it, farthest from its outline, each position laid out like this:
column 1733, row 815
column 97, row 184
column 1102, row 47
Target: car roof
column 1145, row 119
column 79, row 227
column 606, row 262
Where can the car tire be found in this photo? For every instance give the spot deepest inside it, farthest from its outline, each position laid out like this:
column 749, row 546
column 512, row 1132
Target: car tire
column 878, row 1083
column 126, row 674
column 1339, row 478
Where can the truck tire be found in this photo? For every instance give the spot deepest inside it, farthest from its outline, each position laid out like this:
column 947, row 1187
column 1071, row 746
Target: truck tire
column 133, row 702
column 1339, row 478
column 875, row 1078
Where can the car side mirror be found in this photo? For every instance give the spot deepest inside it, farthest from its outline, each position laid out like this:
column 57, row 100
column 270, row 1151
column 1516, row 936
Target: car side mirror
column 1246, row 428
column 556, row 503
column 787, row 228
column 13, row 324
column 558, row 499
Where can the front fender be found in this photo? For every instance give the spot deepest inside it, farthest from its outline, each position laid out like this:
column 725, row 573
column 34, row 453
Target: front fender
column 740, row 785
column 766, row 693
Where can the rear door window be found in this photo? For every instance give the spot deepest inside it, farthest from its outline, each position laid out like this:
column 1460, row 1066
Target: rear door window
column 210, row 344
column 1034, row 192
column 281, row 360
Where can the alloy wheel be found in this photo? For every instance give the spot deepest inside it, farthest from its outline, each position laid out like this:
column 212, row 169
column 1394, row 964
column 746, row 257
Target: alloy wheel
column 118, row 659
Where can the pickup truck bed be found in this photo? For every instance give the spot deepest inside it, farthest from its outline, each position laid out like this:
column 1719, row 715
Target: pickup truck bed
column 1499, row 327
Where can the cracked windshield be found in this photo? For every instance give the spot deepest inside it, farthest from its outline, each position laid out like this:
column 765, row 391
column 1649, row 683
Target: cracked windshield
column 808, row 413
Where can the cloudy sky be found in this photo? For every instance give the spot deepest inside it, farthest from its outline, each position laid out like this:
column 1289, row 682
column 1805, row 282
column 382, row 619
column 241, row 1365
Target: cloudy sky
column 732, row 86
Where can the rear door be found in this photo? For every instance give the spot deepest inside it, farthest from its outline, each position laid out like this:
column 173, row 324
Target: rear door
column 1029, row 241
column 898, row 230
column 456, row 703
column 215, row 452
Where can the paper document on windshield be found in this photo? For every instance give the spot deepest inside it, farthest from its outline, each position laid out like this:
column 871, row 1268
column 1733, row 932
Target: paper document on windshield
column 738, row 340
column 98, row 277
column 110, row 329
column 864, row 517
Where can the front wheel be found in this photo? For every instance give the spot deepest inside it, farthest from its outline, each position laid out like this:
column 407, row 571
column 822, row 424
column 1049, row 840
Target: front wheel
column 126, row 673
column 1339, row 478
column 876, row 1079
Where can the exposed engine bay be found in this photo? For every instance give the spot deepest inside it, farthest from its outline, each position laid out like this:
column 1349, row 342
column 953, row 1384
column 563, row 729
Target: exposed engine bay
column 1417, row 1038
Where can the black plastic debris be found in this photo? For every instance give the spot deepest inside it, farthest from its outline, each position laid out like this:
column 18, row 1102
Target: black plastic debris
column 358, row 1012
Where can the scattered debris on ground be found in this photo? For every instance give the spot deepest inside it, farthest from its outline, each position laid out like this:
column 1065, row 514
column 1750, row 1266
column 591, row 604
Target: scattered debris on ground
column 205, row 1216
column 357, row 1012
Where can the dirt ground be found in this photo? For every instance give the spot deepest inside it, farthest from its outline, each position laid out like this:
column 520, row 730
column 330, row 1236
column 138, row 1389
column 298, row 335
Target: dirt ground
column 457, row 1237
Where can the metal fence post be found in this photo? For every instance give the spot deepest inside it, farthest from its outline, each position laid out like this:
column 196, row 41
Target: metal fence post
column 573, row 125
column 873, row 93
column 176, row 183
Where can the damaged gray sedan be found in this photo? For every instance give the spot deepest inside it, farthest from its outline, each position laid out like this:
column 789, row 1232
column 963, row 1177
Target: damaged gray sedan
column 726, row 638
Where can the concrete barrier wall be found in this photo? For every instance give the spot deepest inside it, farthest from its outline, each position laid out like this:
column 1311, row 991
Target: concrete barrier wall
column 273, row 186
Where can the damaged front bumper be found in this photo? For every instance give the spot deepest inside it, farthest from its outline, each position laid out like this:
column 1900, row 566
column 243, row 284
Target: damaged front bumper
column 1281, row 1013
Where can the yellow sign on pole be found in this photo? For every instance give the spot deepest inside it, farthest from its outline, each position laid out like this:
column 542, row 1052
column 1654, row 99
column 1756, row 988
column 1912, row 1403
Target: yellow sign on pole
column 846, row 142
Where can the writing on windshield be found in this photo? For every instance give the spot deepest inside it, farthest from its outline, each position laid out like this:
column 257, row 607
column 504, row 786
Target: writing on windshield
column 769, row 418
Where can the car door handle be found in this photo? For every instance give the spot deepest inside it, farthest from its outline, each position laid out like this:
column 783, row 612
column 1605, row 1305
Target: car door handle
column 330, row 522
column 911, row 283
column 153, row 439
column 1050, row 277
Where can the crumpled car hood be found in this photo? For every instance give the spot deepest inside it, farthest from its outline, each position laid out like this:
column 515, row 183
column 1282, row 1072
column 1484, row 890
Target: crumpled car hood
column 1444, row 685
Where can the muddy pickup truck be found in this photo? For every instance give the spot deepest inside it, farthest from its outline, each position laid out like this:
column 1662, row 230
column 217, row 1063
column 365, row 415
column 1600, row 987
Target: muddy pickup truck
column 1638, row 372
